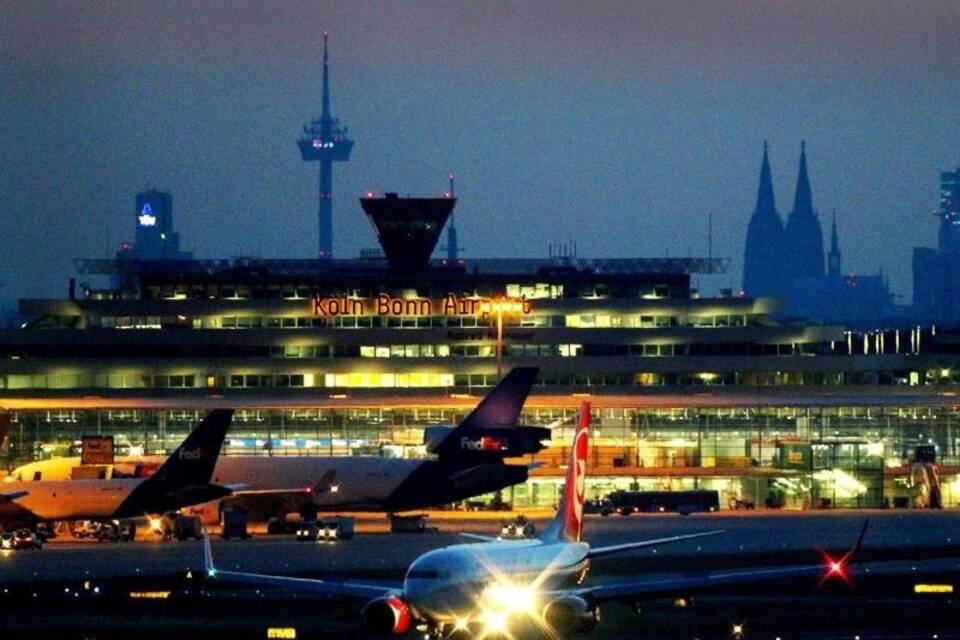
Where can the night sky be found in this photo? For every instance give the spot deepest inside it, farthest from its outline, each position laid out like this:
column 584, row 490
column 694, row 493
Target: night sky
column 622, row 125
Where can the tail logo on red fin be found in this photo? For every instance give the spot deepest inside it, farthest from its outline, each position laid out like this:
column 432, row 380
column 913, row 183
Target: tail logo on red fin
column 579, row 484
column 567, row 525
column 577, row 477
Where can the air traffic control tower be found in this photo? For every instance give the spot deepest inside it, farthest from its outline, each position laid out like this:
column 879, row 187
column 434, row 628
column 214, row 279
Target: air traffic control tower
column 326, row 142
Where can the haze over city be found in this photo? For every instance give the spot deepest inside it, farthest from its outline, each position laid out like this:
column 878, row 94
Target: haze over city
column 618, row 124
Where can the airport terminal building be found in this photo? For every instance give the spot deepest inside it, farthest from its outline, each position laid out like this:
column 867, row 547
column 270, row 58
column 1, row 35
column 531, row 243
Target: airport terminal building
column 357, row 356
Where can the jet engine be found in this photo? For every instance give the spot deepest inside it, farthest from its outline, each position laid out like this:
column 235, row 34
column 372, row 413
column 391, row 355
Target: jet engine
column 388, row 616
column 570, row 614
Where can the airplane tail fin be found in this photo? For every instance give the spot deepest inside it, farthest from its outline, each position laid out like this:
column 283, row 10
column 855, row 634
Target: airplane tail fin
column 502, row 406
column 567, row 525
column 193, row 461
column 491, row 430
column 184, row 477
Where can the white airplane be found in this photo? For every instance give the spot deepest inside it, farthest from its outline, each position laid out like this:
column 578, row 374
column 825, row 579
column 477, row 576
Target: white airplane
column 182, row 480
column 482, row 587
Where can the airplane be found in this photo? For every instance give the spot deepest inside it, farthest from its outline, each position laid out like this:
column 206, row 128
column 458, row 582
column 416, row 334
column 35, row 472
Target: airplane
column 481, row 587
column 469, row 461
column 182, row 480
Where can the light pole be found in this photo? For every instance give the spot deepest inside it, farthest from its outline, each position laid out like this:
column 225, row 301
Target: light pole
column 500, row 306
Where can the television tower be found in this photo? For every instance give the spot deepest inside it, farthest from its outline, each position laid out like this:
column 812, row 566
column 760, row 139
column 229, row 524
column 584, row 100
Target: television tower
column 326, row 142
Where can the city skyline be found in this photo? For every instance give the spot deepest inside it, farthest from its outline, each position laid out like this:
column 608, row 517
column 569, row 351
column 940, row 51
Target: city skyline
column 638, row 118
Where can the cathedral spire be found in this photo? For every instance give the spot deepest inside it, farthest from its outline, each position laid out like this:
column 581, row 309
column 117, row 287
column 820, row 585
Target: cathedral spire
column 804, row 237
column 833, row 258
column 766, row 203
column 803, row 200
column 764, row 250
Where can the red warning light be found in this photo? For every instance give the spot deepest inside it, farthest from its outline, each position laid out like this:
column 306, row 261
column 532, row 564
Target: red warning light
column 834, row 569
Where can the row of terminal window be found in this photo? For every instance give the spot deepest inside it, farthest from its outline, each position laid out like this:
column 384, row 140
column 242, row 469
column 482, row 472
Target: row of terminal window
column 443, row 380
column 583, row 321
column 539, row 350
column 540, row 290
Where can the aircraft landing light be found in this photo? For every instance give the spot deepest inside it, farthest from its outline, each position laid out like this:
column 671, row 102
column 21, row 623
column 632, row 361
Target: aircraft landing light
column 494, row 622
column 510, row 598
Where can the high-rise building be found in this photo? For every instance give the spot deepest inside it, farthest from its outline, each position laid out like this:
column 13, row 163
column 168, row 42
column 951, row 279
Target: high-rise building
column 936, row 272
column 763, row 254
column 326, row 142
column 154, row 238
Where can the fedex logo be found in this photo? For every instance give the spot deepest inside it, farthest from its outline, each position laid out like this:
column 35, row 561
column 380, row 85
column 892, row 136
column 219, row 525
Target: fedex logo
column 485, row 444
column 191, row 454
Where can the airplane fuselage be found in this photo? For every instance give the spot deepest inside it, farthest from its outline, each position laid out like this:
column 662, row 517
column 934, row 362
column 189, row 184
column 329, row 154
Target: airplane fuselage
column 456, row 582
column 327, row 483
column 64, row 500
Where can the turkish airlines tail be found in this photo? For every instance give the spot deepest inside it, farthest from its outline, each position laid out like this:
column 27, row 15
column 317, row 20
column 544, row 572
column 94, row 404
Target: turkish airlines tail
column 567, row 525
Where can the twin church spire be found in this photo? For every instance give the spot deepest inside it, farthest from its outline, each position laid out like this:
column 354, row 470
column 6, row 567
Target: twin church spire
column 777, row 254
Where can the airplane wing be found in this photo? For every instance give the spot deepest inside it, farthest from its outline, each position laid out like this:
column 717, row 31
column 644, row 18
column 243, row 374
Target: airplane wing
column 319, row 587
column 684, row 583
column 596, row 552
column 479, row 536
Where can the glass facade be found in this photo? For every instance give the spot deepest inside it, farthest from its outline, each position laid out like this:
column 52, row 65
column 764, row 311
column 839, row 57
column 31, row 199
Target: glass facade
column 788, row 457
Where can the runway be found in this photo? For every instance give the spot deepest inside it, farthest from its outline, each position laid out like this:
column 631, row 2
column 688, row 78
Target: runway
column 85, row 589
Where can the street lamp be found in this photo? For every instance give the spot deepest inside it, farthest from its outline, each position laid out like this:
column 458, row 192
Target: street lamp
column 500, row 306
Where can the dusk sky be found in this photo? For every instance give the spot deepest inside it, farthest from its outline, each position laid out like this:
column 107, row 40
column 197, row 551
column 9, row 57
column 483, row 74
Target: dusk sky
column 622, row 125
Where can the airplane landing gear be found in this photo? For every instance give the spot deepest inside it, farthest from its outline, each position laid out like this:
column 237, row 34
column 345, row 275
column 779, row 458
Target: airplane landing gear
column 432, row 631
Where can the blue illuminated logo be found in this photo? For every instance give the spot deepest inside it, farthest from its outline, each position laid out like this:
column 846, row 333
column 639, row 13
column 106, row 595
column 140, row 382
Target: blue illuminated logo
column 146, row 217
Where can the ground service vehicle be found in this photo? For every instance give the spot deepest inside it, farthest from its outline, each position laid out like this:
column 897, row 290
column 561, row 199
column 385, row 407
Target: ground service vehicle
column 684, row 502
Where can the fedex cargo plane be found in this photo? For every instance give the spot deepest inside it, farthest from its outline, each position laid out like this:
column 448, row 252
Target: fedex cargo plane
column 466, row 460
column 182, row 480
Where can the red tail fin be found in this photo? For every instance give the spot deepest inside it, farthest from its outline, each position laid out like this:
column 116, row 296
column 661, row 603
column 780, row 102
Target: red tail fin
column 568, row 523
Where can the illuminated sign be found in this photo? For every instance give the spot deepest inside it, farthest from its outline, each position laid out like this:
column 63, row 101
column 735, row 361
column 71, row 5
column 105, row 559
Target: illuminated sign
column 149, row 595
column 933, row 588
column 450, row 305
column 96, row 450
column 285, row 633
column 146, row 217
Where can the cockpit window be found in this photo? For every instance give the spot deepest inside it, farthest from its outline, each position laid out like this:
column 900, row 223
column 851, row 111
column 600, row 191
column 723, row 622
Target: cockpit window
column 423, row 574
